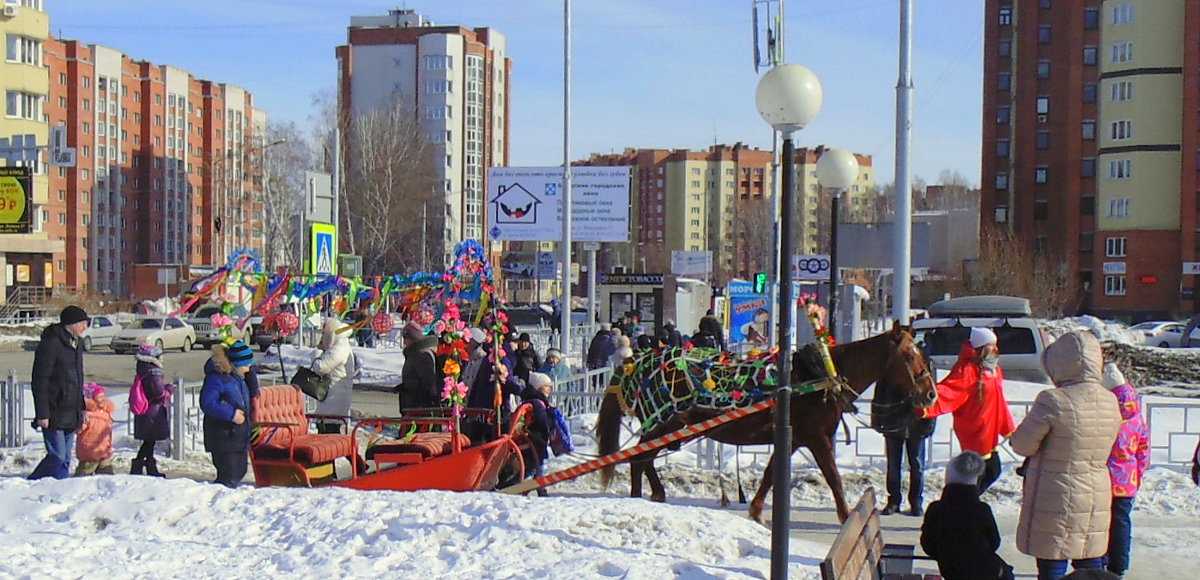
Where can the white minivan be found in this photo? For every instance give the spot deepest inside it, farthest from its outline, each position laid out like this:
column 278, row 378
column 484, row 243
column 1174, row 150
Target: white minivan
column 1018, row 337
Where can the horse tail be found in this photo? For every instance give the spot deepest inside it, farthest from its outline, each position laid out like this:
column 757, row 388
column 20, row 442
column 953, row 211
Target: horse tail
column 608, row 431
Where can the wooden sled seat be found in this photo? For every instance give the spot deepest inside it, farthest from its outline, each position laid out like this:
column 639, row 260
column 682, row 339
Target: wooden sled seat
column 283, row 452
column 420, row 447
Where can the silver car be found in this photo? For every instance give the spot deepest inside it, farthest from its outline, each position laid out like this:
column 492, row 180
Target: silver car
column 165, row 332
column 100, row 332
column 1019, row 338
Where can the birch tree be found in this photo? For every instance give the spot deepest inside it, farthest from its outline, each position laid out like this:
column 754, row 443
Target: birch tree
column 284, row 163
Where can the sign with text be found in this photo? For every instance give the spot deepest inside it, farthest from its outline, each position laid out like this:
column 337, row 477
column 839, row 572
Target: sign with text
column 16, row 191
column 1191, row 268
column 525, row 204
column 1114, row 267
column 691, row 263
column 810, row 267
column 655, row 279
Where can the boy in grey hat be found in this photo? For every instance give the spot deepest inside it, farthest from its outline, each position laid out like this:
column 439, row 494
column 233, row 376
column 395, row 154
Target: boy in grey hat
column 959, row 530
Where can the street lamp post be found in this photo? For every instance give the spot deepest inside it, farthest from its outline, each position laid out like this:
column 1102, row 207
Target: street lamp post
column 837, row 169
column 788, row 97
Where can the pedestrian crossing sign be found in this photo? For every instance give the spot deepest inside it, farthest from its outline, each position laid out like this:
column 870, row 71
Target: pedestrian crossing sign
column 323, row 249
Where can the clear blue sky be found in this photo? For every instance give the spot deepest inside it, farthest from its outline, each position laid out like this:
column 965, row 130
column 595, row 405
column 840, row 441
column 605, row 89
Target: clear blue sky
column 647, row 73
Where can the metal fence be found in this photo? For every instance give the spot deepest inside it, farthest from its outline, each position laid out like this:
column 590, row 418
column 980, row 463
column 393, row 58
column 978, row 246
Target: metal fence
column 12, row 427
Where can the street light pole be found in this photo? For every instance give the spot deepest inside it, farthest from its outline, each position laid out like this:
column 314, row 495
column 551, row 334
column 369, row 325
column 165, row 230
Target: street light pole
column 837, row 169
column 788, row 97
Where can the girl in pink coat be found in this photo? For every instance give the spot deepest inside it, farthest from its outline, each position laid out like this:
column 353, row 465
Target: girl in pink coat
column 1127, row 464
column 93, row 444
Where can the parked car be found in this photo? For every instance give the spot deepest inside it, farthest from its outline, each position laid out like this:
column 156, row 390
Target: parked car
column 166, row 332
column 1161, row 333
column 207, row 334
column 101, row 332
column 1018, row 337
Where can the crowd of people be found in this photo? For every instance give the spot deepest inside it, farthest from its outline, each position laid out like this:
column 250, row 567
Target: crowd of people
column 1085, row 442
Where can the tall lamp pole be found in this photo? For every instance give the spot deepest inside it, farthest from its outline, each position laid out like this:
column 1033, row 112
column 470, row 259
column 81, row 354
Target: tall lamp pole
column 788, row 97
column 837, row 169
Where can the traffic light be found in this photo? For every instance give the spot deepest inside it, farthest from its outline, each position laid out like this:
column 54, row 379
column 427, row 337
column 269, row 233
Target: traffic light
column 760, row 283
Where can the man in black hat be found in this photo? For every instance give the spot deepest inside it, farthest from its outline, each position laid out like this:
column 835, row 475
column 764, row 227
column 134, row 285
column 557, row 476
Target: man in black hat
column 58, row 390
column 528, row 360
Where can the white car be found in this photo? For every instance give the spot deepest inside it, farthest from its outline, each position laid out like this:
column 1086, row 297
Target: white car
column 166, row 332
column 1161, row 333
column 100, row 332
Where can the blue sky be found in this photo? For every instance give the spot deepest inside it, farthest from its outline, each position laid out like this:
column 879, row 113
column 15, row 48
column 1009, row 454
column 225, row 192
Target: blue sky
column 646, row 73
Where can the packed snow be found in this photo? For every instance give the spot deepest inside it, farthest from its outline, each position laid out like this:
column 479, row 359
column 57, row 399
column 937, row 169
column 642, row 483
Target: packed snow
column 131, row 526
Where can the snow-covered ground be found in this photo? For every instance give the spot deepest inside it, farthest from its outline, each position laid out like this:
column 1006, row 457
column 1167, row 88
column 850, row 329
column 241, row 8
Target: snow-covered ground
column 131, row 527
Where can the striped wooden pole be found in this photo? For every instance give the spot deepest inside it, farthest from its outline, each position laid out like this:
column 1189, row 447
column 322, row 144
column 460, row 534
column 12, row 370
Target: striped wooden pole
column 686, row 432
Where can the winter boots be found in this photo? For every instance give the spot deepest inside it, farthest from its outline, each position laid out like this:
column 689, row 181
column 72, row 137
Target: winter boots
column 145, row 467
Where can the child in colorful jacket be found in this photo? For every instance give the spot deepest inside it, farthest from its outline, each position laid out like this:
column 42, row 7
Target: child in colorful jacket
column 93, row 444
column 1127, row 464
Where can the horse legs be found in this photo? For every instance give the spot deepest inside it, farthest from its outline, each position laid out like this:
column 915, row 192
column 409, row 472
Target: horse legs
column 645, row 465
column 658, row 493
column 760, row 496
column 636, row 467
column 822, row 451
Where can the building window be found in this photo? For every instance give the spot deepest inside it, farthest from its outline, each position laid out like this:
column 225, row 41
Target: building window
column 439, row 62
column 1041, row 209
column 1044, row 4
column 1120, row 169
column 1042, row 140
column 1118, row 208
column 1087, row 205
column 1044, row 34
column 1004, row 47
column 1001, row 214
column 1006, row 16
column 1002, row 148
column 24, row 50
column 1122, row 14
column 1001, row 181
column 23, row 105
column 1043, row 105
column 1087, row 167
column 1043, row 69
column 1089, row 130
column 1121, row 91
column 1114, row 247
column 1040, row 174
column 1091, row 18
column 1090, row 55
column 1122, row 52
column 1114, row 285
column 1086, row 239
column 1089, row 92
column 1002, row 114
column 1121, row 130
column 1004, row 81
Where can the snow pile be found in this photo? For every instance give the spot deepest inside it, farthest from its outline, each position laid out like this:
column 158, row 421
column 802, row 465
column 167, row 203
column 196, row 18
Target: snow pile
column 1104, row 330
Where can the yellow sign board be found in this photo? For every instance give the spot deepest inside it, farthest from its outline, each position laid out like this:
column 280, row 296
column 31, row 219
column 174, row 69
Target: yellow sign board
column 16, row 190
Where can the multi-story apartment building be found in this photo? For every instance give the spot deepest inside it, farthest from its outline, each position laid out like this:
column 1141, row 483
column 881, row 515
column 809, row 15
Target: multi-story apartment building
column 1091, row 143
column 455, row 80
column 28, row 260
column 163, row 171
column 720, row 200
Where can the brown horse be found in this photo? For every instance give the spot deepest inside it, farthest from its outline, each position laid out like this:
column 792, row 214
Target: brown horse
column 891, row 356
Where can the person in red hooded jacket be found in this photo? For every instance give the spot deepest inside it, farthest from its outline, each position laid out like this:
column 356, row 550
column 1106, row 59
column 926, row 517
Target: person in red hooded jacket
column 974, row 393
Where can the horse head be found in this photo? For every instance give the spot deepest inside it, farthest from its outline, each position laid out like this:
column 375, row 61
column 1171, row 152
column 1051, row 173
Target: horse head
column 908, row 369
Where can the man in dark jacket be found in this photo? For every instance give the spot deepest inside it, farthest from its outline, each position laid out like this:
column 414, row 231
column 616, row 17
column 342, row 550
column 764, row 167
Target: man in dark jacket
column 226, row 400
column 419, row 387
column 528, row 360
column 710, row 331
column 601, row 348
column 960, row 530
column 58, row 390
column 903, row 433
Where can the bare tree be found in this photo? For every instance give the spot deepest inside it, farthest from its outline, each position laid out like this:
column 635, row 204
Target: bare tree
column 1007, row 266
column 284, row 163
column 390, row 180
column 754, row 238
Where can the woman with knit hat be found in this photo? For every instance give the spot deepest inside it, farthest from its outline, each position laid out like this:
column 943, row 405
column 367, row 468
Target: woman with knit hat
column 974, row 393
column 225, row 400
column 154, row 424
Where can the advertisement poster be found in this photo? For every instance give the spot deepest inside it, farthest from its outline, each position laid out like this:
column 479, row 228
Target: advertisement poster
column 16, row 191
column 525, row 204
column 749, row 314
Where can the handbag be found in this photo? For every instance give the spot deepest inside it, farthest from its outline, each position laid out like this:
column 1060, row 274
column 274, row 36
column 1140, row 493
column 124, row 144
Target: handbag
column 311, row 384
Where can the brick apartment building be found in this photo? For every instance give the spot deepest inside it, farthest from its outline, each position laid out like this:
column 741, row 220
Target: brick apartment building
column 1090, row 144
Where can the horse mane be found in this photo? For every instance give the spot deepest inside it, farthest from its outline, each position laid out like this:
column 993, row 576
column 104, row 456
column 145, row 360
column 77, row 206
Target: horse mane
column 862, row 362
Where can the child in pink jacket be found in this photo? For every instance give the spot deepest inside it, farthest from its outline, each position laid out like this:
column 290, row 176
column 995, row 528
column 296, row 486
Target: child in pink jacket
column 1127, row 464
column 93, row 444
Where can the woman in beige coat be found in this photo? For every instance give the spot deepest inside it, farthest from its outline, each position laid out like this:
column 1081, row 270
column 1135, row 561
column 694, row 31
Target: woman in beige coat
column 1067, row 436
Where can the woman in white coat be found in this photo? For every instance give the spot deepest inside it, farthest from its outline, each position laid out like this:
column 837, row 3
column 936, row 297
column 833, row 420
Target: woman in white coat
column 337, row 361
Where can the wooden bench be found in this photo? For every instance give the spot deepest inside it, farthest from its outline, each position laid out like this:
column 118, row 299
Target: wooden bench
column 859, row 552
column 283, row 452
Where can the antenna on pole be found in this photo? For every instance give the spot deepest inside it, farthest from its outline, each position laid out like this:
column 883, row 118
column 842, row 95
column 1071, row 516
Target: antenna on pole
column 767, row 23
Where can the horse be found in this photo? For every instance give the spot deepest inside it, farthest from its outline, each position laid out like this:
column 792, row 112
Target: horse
column 892, row 356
